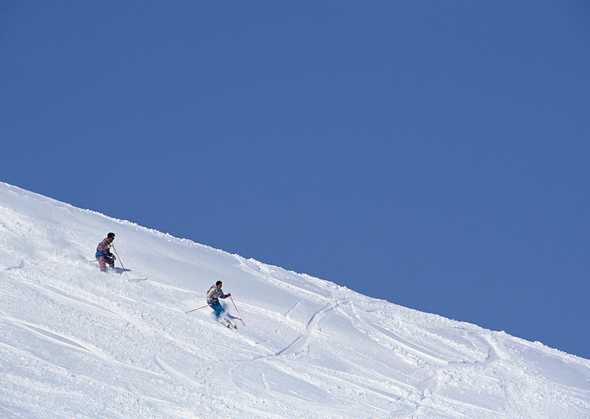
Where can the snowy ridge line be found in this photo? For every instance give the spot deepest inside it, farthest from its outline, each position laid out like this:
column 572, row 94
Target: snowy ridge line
column 75, row 342
column 168, row 236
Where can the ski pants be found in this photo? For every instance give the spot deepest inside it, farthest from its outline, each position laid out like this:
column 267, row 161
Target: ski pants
column 105, row 260
column 217, row 308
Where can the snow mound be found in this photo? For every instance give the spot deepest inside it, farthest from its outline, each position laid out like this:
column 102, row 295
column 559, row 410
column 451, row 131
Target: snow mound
column 78, row 343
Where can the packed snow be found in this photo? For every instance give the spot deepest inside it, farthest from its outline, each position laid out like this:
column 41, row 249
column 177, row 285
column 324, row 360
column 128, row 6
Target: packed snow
column 79, row 343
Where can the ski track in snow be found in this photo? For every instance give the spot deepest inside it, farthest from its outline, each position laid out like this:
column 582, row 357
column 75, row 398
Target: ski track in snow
column 310, row 327
column 75, row 342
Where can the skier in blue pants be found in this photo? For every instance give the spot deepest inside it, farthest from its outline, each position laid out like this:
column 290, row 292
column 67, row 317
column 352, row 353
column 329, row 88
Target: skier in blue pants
column 213, row 296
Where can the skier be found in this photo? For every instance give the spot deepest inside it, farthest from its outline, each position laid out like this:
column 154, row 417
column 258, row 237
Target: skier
column 213, row 295
column 103, row 253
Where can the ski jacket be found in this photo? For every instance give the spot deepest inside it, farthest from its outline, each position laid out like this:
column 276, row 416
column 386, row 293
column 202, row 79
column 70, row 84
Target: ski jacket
column 104, row 248
column 214, row 294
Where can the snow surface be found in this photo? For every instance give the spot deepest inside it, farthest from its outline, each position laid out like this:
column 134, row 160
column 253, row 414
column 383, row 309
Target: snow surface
column 78, row 343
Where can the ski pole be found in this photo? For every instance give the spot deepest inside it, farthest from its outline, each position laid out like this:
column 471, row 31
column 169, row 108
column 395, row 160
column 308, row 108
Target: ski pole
column 236, row 307
column 195, row 309
column 118, row 257
column 233, row 302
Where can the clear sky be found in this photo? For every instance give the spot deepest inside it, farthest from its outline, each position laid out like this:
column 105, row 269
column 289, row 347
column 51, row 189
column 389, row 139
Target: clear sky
column 431, row 153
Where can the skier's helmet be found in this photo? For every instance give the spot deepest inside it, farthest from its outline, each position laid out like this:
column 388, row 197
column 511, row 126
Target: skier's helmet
column 111, row 235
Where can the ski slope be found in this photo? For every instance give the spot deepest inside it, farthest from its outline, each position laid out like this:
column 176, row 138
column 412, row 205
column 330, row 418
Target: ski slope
column 78, row 343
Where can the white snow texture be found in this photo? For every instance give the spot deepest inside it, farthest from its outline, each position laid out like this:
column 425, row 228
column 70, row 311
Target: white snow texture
column 78, row 343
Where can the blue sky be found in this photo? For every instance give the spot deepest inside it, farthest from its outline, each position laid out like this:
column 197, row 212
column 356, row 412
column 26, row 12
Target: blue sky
column 434, row 154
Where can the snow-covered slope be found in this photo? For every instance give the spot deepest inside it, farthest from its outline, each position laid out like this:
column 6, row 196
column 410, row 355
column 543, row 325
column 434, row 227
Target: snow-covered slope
column 77, row 343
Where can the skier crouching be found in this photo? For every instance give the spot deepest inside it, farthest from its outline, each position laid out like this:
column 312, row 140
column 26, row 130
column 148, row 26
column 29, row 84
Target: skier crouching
column 213, row 296
column 103, row 253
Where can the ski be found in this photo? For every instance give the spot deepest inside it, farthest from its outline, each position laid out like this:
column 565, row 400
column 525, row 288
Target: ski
column 136, row 279
column 228, row 324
